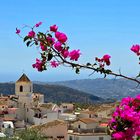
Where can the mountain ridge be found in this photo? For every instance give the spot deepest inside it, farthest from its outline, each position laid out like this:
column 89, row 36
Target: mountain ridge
column 104, row 88
column 55, row 93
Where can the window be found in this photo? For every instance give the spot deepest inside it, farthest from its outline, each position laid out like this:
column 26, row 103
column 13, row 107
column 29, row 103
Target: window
column 79, row 126
column 70, row 138
column 39, row 115
column 36, row 115
column 21, row 88
column 64, row 106
column 30, row 89
column 89, row 115
column 101, row 138
column 27, row 109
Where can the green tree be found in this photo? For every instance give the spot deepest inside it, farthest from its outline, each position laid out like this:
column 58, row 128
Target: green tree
column 26, row 135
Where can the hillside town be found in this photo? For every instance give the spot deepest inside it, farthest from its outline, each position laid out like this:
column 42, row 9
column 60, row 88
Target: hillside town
column 26, row 109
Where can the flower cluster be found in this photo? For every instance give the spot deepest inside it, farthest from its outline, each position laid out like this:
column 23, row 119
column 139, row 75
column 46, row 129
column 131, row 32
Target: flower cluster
column 17, row 31
column 125, row 122
column 105, row 60
column 136, row 49
column 38, row 24
column 39, row 65
column 52, row 45
column 31, row 34
column 54, row 64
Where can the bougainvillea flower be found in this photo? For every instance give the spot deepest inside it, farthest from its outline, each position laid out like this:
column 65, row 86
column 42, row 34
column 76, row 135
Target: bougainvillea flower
column 38, row 65
column 38, row 24
column 119, row 136
column 61, row 37
column 54, row 64
column 136, row 49
column 50, row 40
column 74, row 55
column 125, row 122
column 43, row 47
column 53, row 28
column 17, row 31
column 58, row 46
column 106, row 59
column 65, row 53
column 31, row 34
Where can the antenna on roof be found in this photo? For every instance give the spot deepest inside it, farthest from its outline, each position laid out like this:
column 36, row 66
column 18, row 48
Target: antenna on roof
column 23, row 71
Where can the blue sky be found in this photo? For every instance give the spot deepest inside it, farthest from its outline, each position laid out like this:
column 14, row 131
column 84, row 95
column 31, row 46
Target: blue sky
column 96, row 27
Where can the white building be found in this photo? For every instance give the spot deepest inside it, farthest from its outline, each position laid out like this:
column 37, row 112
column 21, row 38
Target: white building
column 85, row 124
column 8, row 128
column 87, row 114
column 87, row 129
column 88, row 136
column 67, row 117
column 66, row 107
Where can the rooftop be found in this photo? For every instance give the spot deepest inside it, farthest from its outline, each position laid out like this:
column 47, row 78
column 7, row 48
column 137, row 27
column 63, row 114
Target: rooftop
column 88, row 120
column 87, row 112
column 49, row 124
column 46, row 105
column 87, row 134
column 23, row 78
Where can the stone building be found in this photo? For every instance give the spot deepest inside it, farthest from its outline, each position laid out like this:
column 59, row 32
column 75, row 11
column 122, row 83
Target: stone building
column 26, row 99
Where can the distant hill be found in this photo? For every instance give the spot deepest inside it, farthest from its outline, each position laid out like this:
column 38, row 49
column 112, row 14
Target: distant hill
column 86, row 90
column 7, row 88
column 104, row 88
column 55, row 93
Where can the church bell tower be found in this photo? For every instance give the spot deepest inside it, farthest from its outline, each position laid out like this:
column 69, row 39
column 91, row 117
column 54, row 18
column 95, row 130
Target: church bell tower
column 23, row 86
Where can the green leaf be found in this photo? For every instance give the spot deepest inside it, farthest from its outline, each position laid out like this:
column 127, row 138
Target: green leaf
column 45, row 68
column 50, row 56
column 138, row 75
column 26, row 38
column 94, row 64
column 49, row 35
column 107, row 71
column 73, row 65
column 77, row 70
column 41, row 35
column 88, row 64
column 28, row 43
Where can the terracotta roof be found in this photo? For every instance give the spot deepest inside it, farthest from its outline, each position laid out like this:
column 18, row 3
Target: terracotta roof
column 48, row 125
column 12, row 110
column 8, row 119
column 46, row 105
column 103, row 124
column 103, row 107
column 87, row 112
column 3, row 97
column 23, row 78
column 88, row 120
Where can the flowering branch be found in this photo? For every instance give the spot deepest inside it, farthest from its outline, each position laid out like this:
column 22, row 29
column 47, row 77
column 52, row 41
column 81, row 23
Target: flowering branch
column 125, row 123
column 55, row 52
